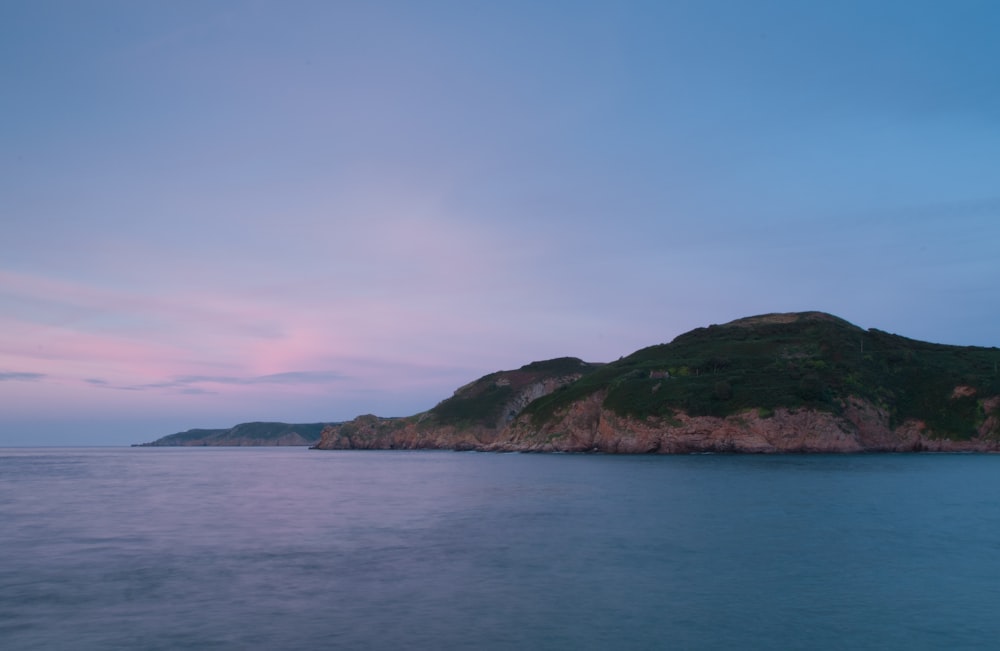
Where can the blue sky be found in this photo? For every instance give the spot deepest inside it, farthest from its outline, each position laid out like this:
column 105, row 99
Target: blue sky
column 301, row 211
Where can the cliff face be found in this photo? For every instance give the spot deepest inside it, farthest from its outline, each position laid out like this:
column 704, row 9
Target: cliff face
column 798, row 382
column 589, row 427
column 861, row 427
column 370, row 432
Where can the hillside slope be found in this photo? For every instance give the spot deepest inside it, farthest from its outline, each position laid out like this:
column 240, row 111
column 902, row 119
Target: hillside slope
column 474, row 417
column 772, row 383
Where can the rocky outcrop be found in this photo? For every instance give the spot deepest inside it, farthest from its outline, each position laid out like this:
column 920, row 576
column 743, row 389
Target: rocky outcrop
column 862, row 427
column 370, row 432
column 587, row 426
column 529, row 393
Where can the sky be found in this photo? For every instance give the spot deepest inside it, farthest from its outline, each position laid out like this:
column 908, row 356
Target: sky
column 220, row 212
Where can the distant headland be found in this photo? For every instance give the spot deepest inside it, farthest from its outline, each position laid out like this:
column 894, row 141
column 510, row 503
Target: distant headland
column 789, row 382
column 245, row 434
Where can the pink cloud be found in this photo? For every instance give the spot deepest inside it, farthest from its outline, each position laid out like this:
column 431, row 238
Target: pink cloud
column 407, row 300
column 115, row 339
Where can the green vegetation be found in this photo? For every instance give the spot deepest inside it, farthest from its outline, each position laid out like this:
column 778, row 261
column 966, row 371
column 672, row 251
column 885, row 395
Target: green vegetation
column 257, row 433
column 809, row 360
column 483, row 406
column 482, row 403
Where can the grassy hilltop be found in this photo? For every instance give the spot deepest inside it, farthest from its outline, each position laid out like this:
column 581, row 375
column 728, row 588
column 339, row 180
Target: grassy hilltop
column 803, row 360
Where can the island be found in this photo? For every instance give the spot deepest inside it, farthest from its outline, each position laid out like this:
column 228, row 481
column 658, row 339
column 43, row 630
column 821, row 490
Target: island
column 804, row 382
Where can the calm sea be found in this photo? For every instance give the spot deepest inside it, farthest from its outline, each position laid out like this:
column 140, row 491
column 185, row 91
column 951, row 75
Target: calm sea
column 286, row 548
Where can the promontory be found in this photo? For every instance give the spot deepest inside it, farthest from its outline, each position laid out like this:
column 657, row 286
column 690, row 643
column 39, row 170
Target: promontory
column 791, row 382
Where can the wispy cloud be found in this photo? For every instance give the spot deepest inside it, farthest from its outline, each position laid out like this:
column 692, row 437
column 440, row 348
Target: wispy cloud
column 300, row 377
column 290, row 377
column 45, row 302
column 117, row 337
column 223, row 331
column 195, row 384
column 196, row 391
column 6, row 376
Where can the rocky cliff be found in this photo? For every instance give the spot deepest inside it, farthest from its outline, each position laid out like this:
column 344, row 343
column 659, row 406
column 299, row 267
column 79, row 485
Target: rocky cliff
column 860, row 427
column 798, row 382
column 587, row 426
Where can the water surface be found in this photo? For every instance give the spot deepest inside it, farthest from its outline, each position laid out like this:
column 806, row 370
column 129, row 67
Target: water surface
column 286, row 548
